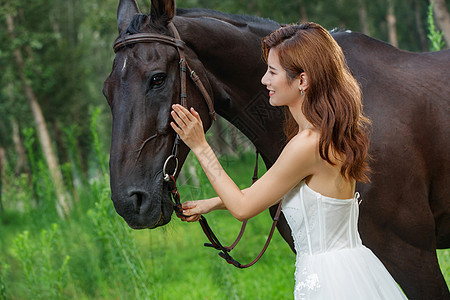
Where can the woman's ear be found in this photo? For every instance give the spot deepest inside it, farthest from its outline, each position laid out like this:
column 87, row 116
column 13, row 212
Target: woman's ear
column 304, row 82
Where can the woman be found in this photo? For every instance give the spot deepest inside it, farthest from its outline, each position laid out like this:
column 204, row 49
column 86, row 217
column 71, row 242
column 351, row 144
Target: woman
column 316, row 173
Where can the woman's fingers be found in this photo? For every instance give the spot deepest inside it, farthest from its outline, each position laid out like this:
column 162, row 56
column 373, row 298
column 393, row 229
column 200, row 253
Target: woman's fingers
column 192, row 218
column 191, row 211
column 183, row 113
column 195, row 114
column 176, row 128
column 190, row 126
column 176, row 117
column 189, row 204
column 183, row 118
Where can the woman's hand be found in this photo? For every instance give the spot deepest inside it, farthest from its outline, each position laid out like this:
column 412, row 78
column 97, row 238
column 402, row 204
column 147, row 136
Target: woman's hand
column 190, row 127
column 193, row 210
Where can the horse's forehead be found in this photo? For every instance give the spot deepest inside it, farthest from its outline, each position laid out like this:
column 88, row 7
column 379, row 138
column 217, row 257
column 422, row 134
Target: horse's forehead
column 155, row 50
column 145, row 54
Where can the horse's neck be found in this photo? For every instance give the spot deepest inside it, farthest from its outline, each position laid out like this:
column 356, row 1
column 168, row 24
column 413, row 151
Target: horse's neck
column 232, row 58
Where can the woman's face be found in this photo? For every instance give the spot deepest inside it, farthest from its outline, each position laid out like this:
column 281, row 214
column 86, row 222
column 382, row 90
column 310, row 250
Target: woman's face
column 281, row 91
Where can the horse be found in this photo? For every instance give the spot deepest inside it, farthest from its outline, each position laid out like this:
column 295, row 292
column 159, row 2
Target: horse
column 405, row 212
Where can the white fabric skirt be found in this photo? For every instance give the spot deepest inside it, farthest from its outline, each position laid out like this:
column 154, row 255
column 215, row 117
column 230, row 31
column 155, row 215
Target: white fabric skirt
column 346, row 274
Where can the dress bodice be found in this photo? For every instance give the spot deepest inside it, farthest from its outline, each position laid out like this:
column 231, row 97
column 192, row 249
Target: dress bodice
column 332, row 263
column 320, row 224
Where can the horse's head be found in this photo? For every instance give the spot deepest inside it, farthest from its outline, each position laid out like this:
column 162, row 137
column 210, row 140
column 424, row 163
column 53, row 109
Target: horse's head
column 143, row 84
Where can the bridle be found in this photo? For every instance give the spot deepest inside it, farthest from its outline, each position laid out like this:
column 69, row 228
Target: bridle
column 170, row 178
column 184, row 66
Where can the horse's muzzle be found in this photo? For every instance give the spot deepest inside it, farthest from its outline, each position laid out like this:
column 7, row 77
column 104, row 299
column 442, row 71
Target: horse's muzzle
column 142, row 211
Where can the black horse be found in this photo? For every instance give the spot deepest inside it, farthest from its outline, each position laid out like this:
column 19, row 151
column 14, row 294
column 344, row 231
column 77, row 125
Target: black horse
column 405, row 213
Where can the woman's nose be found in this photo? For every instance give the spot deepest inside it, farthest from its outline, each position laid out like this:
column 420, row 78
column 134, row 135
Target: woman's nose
column 264, row 79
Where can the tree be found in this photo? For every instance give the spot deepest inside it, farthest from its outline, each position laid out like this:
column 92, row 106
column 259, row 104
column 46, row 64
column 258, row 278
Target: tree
column 442, row 18
column 63, row 203
column 363, row 19
column 391, row 20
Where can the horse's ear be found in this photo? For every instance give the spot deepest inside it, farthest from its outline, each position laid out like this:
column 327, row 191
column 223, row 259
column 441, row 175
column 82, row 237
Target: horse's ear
column 126, row 10
column 162, row 11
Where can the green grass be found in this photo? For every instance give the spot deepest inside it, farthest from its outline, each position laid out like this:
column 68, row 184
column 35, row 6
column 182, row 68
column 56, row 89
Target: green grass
column 444, row 262
column 95, row 255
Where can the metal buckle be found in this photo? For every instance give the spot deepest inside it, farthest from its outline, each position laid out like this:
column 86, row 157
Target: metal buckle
column 167, row 176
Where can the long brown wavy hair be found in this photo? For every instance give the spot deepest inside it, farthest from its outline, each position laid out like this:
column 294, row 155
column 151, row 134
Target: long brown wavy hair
column 333, row 99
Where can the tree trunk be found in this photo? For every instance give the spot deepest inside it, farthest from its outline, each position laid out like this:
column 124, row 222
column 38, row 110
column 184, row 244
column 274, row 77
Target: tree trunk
column 419, row 25
column 362, row 12
column 303, row 14
column 391, row 20
column 442, row 18
column 62, row 202
column 18, row 146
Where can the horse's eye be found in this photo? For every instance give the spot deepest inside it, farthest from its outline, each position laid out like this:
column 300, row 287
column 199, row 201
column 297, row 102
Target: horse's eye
column 158, row 79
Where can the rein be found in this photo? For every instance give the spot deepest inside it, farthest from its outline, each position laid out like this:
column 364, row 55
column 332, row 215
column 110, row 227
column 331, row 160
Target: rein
column 170, row 178
column 225, row 251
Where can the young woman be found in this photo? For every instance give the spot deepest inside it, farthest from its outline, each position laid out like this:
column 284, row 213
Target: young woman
column 316, row 172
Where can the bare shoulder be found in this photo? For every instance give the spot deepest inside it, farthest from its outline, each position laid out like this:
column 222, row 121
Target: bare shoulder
column 305, row 142
column 299, row 159
column 301, row 154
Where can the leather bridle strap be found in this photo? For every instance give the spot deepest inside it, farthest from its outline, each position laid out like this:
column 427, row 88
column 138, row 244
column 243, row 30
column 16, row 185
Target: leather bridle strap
column 146, row 38
column 224, row 251
column 184, row 66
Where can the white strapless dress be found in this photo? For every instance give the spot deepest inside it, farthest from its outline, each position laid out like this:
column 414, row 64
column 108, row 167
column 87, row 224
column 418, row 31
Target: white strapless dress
column 332, row 262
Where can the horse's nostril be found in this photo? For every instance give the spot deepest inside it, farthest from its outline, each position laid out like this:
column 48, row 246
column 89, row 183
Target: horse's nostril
column 141, row 201
column 138, row 202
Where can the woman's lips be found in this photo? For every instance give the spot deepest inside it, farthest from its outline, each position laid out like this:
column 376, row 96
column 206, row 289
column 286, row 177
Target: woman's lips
column 271, row 93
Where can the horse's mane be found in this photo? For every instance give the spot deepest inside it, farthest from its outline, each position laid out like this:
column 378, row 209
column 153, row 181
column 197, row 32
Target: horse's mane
column 237, row 20
column 140, row 20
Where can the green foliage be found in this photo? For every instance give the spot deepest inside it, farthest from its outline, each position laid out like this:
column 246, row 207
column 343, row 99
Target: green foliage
column 117, row 249
column 434, row 35
column 100, row 154
column 43, row 266
column 3, row 271
column 42, row 189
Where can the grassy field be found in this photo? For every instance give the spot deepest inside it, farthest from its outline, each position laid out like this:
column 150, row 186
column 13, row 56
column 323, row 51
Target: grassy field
column 94, row 255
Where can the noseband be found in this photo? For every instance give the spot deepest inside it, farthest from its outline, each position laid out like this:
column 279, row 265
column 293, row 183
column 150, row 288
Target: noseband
column 170, row 179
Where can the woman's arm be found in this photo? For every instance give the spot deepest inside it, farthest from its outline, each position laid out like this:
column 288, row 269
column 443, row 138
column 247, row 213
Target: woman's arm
column 297, row 161
column 192, row 210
